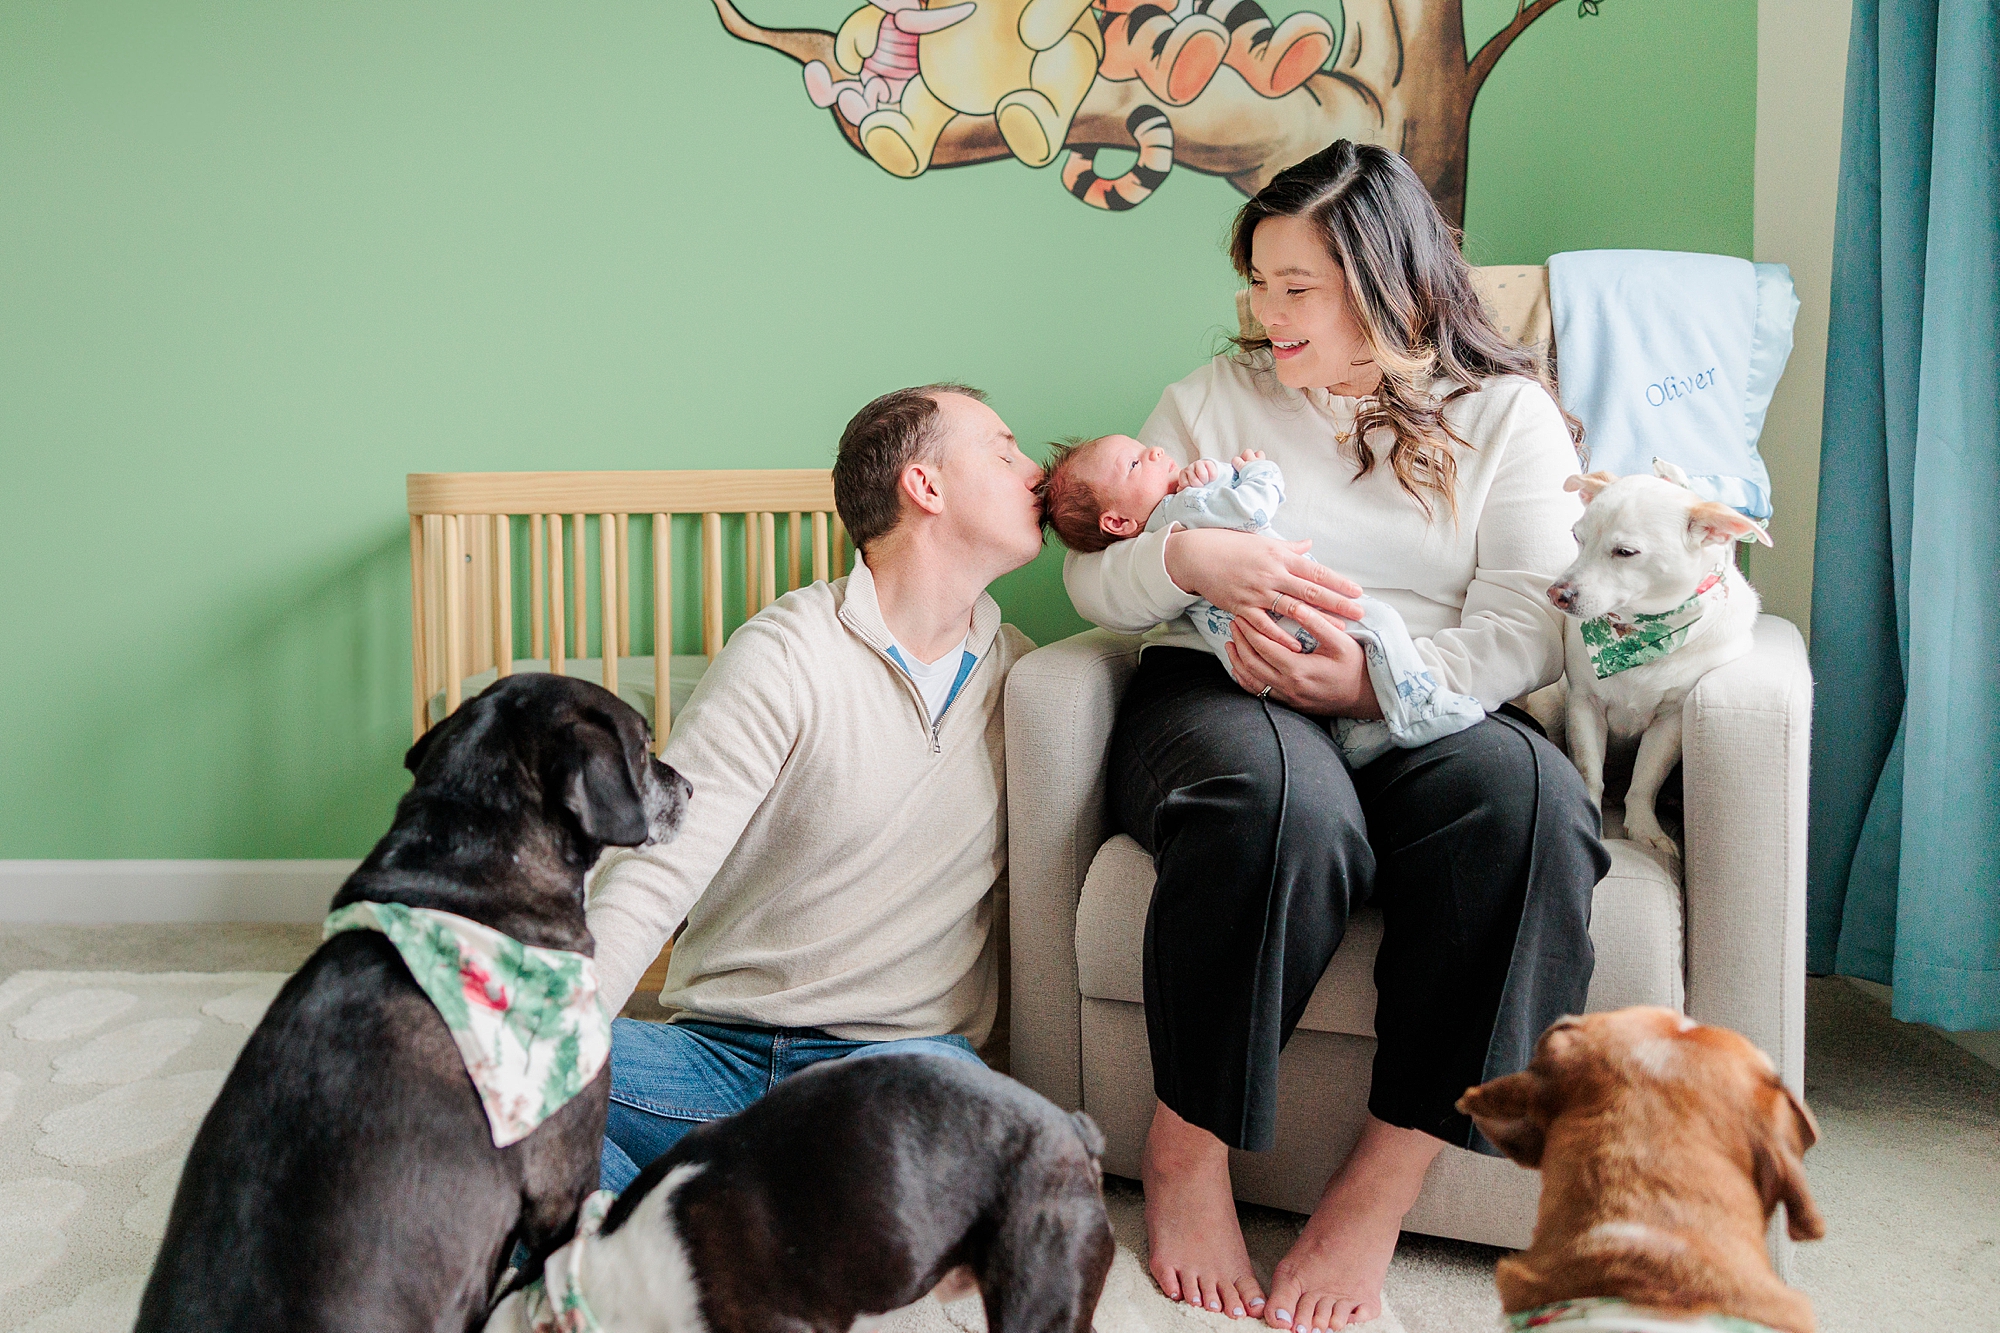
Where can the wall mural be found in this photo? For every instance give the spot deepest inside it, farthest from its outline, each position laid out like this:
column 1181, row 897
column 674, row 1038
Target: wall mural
column 1214, row 85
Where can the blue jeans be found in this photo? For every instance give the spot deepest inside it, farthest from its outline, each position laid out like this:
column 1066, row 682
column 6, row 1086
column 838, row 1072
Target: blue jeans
column 666, row 1078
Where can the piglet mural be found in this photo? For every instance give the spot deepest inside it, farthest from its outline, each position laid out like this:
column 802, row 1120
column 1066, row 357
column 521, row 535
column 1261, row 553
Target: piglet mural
column 1217, row 86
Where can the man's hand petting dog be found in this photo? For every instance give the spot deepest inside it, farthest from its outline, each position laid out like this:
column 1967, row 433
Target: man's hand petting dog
column 347, row 1176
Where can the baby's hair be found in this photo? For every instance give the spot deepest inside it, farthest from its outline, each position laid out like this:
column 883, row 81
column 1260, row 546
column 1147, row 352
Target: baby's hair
column 1071, row 506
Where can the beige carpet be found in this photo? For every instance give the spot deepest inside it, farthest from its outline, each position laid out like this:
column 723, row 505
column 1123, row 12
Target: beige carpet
column 104, row 1077
column 1907, row 1169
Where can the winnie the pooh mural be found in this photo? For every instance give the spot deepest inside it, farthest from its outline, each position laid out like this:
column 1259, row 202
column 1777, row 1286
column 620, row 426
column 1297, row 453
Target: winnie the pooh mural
column 1217, row 86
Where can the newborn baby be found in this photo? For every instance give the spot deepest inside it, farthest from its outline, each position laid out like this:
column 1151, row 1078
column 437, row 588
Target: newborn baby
column 1113, row 488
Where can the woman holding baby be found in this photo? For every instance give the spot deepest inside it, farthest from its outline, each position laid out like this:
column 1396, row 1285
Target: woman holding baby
column 1423, row 460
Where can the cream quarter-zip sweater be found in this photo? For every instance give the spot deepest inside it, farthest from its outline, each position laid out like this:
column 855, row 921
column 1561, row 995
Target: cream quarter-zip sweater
column 1472, row 590
column 838, row 862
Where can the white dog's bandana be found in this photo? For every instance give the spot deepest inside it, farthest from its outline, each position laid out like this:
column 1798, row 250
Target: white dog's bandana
column 1607, row 1314
column 553, row 1302
column 1618, row 643
column 526, row 1020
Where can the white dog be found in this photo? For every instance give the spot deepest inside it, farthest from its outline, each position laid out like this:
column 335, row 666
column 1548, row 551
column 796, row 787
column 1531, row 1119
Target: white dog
column 1656, row 603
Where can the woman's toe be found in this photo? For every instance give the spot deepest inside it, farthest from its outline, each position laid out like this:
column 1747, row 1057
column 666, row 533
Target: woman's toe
column 1280, row 1310
column 1169, row 1279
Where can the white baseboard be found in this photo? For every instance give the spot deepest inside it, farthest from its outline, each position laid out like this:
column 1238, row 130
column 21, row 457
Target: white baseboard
column 1985, row 1045
column 118, row 892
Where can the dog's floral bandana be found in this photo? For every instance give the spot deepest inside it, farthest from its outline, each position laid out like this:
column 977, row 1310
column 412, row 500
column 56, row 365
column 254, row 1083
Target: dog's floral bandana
column 553, row 1302
column 1617, row 643
column 526, row 1020
column 1607, row 1314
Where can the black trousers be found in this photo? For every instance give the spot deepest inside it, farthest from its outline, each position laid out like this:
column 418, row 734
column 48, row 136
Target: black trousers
column 1480, row 849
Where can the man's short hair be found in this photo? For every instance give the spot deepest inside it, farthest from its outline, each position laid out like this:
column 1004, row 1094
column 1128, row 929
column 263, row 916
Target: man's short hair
column 884, row 438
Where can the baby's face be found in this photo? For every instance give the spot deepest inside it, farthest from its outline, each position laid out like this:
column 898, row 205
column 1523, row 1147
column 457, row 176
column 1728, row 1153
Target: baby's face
column 1132, row 479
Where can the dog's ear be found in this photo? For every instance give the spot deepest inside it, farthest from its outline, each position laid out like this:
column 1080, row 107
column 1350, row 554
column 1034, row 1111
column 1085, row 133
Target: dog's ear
column 598, row 786
column 1590, row 483
column 413, row 758
column 1510, row 1113
column 1784, row 1129
column 1673, row 472
column 1711, row 523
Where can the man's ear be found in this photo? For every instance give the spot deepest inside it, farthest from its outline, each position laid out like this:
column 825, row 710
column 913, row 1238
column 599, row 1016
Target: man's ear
column 597, row 787
column 1590, row 483
column 1510, row 1113
column 1784, row 1129
column 1118, row 525
column 922, row 485
column 1712, row 523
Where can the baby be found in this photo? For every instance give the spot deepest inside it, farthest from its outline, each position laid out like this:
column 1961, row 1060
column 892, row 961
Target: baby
column 1113, row 488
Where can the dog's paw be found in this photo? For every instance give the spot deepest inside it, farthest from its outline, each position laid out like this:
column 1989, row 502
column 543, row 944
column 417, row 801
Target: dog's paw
column 1663, row 847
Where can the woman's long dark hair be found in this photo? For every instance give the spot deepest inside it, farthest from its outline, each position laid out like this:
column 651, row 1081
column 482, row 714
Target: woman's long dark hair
column 1411, row 290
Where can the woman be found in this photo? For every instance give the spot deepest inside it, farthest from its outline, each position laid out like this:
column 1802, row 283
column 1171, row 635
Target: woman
column 1424, row 461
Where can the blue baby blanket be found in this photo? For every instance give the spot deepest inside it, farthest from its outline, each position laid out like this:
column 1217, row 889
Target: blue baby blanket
column 1668, row 355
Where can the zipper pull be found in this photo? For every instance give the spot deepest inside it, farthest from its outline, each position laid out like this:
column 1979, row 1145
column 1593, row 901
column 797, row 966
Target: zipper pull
column 935, row 749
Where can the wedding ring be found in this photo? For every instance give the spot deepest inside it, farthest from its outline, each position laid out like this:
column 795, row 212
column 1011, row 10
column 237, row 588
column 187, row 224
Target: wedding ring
column 1264, row 693
column 1276, row 602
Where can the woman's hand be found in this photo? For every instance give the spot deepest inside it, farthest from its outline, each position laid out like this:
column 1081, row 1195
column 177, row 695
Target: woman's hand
column 1331, row 681
column 1244, row 573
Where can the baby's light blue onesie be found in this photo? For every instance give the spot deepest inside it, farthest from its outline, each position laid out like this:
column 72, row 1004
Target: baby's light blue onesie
column 1416, row 708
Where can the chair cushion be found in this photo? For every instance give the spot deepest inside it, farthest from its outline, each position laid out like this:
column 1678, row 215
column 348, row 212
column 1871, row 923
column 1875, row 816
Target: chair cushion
column 1635, row 926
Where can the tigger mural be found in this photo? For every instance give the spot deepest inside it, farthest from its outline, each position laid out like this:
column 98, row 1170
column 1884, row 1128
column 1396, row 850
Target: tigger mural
column 1216, row 86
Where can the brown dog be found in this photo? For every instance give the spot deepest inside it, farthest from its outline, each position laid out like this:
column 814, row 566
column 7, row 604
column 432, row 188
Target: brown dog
column 1664, row 1146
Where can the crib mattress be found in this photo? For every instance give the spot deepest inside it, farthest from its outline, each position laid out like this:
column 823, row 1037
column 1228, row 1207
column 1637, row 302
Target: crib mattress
column 635, row 680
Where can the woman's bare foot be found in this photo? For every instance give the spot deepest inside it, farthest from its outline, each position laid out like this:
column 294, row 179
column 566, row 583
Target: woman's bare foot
column 1333, row 1275
column 1194, row 1243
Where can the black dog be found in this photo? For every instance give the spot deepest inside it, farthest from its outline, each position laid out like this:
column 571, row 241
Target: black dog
column 850, row 1190
column 346, row 1177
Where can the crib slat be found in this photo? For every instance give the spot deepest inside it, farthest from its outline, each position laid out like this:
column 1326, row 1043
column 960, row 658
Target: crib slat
column 580, row 583
column 503, row 595
column 792, row 549
column 839, row 546
column 536, row 593
column 749, row 565
column 663, row 629
column 767, row 560
column 478, row 593
column 820, row 574
column 454, row 615
column 607, row 553
column 420, row 712
column 556, row 595
column 624, row 584
column 711, row 585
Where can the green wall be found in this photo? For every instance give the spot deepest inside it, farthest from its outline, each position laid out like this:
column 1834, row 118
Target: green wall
column 257, row 262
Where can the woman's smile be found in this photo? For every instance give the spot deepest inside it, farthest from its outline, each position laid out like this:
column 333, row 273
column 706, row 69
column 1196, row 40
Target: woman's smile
column 1285, row 351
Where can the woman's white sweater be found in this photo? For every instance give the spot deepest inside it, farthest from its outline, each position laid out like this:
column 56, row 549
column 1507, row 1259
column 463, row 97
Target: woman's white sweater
column 1470, row 588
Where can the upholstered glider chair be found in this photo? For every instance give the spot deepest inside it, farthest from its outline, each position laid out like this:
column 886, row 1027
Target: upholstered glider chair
column 1722, row 941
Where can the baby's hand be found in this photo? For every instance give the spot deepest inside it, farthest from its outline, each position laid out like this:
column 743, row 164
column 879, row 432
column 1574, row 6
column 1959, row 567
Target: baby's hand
column 1198, row 473
column 1246, row 457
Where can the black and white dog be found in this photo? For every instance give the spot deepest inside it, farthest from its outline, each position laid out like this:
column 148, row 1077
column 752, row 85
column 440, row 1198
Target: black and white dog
column 850, row 1190
column 346, row 1177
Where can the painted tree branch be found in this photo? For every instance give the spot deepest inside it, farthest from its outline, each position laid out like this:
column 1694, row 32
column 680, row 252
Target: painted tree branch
column 1496, row 45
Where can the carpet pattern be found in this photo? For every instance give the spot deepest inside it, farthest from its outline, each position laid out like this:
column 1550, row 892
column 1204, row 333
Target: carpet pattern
column 105, row 1076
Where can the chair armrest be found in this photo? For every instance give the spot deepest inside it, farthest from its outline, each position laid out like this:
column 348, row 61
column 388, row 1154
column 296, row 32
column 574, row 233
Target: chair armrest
column 1061, row 701
column 1744, row 751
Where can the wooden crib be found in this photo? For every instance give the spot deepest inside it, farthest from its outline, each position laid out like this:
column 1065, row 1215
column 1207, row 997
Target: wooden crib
column 503, row 560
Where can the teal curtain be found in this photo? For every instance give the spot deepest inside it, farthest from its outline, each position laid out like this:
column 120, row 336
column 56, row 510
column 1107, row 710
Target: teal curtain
column 1904, row 851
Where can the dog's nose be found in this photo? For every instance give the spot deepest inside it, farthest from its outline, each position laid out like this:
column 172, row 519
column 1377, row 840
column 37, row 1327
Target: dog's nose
column 1563, row 594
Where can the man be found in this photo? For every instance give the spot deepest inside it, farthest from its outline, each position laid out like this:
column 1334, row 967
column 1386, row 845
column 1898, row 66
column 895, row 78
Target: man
column 838, row 863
